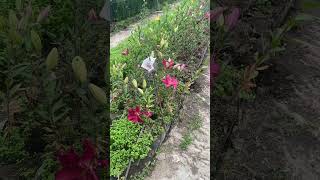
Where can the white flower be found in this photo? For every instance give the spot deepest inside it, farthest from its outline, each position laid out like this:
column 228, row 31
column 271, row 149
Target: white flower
column 148, row 64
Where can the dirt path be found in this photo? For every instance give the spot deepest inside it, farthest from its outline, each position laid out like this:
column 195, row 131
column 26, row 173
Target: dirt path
column 173, row 163
column 118, row 37
column 279, row 137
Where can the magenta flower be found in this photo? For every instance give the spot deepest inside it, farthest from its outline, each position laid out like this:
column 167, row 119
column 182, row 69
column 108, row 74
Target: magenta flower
column 170, row 81
column 103, row 163
column 134, row 115
column 79, row 167
column 214, row 67
column 125, row 52
column 167, row 63
column 233, row 18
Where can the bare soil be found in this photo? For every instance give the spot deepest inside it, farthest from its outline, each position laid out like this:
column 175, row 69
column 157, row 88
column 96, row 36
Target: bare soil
column 279, row 136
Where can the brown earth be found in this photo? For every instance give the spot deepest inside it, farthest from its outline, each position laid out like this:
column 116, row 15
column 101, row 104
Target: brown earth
column 279, row 136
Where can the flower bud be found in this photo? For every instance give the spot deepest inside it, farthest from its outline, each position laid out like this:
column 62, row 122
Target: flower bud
column 140, row 90
column 126, row 80
column 144, row 84
column 98, row 93
column 52, row 59
column 79, row 69
column 135, row 84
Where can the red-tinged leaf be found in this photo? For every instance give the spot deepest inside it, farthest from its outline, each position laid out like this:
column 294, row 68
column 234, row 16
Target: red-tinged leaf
column 70, row 173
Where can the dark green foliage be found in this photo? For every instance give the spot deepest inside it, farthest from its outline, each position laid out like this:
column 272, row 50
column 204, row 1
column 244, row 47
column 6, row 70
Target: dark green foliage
column 12, row 147
column 41, row 98
column 227, row 81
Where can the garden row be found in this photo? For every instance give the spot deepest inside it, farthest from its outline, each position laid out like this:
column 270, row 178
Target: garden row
column 241, row 58
column 126, row 13
column 52, row 89
column 151, row 71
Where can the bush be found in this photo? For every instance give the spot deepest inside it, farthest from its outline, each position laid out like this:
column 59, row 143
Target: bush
column 52, row 74
column 12, row 147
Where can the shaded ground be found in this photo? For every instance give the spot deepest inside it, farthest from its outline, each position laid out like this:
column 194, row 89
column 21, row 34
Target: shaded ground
column 279, row 136
column 173, row 163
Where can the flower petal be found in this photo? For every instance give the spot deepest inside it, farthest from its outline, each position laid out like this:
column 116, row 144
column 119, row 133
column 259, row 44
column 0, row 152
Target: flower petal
column 89, row 154
column 69, row 174
column 68, row 159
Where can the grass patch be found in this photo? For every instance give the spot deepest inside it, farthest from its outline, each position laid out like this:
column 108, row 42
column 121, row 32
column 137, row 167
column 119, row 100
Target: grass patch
column 187, row 138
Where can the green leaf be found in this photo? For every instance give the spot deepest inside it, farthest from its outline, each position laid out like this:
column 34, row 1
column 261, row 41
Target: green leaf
column 13, row 20
column 36, row 41
column 61, row 115
column 254, row 74
column 220, row 20
column 304, row 17
column 310, row 4
column 18, row 5
column 56, row 106
column 2, row 23
column 14, row 90
column 15, row 37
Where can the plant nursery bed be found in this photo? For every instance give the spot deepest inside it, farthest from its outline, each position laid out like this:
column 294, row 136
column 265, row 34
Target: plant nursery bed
column 151, row 72
column 250, row 40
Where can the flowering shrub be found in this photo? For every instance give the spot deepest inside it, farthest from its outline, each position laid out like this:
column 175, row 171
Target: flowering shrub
column 134, row 115
column 51, row 92
column 79, row 167
column 170, row 81
column 223, row 26
column 150, row 73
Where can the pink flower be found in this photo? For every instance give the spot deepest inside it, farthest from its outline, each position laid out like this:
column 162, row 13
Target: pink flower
column 213, row 15
column 167, row 64
column 134, row 115
column 103, row 163
column 214, row 67
column 170, row 81
column 78, row 167
column 180, row 67
column 233, row 18
column 125, row 52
